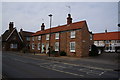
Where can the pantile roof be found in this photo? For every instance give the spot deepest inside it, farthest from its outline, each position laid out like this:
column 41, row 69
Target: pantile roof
column 107, row 36
column 72, row 26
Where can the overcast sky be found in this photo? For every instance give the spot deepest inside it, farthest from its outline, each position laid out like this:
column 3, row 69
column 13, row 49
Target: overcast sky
column 30, row 15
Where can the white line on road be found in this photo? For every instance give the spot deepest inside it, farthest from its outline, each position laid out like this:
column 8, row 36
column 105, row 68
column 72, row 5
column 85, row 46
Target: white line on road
column 19, row 60
column 62, row 71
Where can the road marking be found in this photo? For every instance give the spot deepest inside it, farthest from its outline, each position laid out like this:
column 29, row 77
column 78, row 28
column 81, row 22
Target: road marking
column 59, row 66
column 19, row 60
column 90, row 67
column 74, row 64
column 61, row 71
column 102, row 73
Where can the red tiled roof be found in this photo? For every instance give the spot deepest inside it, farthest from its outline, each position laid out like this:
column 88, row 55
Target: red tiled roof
column 76, row 25
column 107, row 36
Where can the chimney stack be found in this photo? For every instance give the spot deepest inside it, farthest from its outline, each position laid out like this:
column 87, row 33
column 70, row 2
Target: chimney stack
column 21, row 30
column 42, row 27
column 11, row 24
column 106, row 31
column 69, row 19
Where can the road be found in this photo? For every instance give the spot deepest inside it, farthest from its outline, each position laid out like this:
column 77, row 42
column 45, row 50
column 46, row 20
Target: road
column 16, row 66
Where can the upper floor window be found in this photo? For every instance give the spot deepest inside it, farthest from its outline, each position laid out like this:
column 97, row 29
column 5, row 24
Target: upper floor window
column 72, row 46
column 47, row 37
column 57, row 46
column 57, row 36
column 91, row 37
column 32, row 38
column 28, row 38
column 39, row 37
column 72, row 34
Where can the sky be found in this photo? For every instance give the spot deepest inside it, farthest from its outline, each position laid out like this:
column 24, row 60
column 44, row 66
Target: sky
column 30, row 15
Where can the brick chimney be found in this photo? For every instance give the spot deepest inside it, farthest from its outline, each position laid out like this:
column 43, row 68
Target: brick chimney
column 11, row 24
column 106, row 31
column 69, row 19
column 21, row 30
column 42, row 27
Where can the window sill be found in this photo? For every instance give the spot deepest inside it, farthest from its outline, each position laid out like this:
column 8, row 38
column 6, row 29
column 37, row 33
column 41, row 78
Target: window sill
column 72, row 37
column 72, row 50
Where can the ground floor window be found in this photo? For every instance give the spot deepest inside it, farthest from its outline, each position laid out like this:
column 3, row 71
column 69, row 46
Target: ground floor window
column 47, row 46
column 72, row 46
column 33, row 45
column 13, row 45
column 38, row 46
column 57, row 46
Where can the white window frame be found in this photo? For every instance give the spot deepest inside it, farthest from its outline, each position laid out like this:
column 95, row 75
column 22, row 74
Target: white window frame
column 32, row 38
column 91, row 37
column 28, row 38
column 13, row 45
column 72, row 49
column 56, row 35
column 47, row 37
column 56, row 46
column 72, row 34
column 33, row 46
column 38, row 46
column 39, row 37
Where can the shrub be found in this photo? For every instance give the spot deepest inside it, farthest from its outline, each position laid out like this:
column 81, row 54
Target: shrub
column 94, row 51
column 54, row 52
column 63, row 53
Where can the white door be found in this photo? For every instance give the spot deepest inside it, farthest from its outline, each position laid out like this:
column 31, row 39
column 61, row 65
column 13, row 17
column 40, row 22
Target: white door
column 42, row 48
column 47, row 46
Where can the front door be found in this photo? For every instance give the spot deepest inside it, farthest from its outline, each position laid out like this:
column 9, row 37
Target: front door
column 47, row 46
column 42, row 48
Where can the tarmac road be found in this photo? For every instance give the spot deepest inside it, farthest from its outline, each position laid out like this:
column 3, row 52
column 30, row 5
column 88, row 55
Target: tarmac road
column 16, row 66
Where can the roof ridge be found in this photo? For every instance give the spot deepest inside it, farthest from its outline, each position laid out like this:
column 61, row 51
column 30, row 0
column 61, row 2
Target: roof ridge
column 107, row 32
column 73, row 26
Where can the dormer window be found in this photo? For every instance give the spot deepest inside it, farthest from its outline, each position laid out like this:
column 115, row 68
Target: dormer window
column 57, row 36
column 72, row 34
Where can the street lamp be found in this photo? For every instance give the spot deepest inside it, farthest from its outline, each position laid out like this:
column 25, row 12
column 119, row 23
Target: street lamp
column 50, row 33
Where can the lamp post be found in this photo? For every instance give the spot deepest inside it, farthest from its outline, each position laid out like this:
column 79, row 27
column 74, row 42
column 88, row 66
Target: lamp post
column 50, row 34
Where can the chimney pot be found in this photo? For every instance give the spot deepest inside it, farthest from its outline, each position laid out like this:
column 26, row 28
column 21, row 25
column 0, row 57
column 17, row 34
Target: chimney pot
column 69, row 19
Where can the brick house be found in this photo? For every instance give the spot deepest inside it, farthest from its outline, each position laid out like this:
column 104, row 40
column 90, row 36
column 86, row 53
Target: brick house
column 12, row 40
column 109, row 41
column 72, row 38
column 26, row 38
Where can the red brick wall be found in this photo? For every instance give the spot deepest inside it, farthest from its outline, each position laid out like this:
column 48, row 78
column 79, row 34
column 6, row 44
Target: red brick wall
column 63, row 42
column 82, row 42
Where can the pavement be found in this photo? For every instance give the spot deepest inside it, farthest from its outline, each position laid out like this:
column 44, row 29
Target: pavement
column 105, row 60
